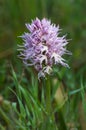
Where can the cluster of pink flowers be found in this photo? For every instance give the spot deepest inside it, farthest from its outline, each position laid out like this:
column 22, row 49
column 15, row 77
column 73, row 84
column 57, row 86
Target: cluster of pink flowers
column 43, row 47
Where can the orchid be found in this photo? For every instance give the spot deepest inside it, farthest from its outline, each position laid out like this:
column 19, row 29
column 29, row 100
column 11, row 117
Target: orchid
column 43, row 47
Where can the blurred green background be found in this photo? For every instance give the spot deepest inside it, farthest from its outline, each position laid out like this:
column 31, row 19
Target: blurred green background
column 69, row 14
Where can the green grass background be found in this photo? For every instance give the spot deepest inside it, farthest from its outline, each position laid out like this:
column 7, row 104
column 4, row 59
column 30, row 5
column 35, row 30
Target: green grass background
column 71, row 16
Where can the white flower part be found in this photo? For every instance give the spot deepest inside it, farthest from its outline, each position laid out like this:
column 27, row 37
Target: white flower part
column 57, row 58
column 44, row 49
column 41, row 74
column 47, row 69
column 43, row 58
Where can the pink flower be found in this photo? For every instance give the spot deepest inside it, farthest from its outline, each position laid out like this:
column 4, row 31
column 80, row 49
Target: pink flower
column 43, row 47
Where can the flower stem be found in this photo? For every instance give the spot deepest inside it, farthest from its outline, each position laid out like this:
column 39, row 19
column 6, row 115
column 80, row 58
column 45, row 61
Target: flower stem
column 48, row 95
column 61, row 120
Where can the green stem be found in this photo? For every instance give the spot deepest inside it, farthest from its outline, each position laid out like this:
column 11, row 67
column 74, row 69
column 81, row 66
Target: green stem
column 61, row 120
column 48, row 124
column 48, row 95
